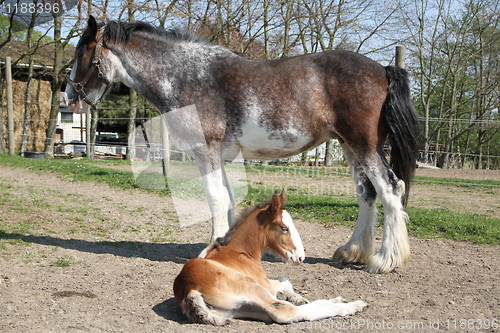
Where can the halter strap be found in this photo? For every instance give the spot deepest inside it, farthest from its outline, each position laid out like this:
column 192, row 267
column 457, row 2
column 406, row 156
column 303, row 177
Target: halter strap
column 79, row 87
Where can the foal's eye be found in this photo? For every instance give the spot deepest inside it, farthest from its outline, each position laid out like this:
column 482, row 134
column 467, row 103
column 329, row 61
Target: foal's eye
column 285, row 229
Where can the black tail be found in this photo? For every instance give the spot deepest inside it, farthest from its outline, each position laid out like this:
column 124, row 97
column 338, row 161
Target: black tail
column 403, row 126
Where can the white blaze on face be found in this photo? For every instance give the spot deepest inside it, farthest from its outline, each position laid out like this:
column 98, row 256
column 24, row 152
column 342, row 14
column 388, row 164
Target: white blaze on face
column 298, row 255
column 80, row 106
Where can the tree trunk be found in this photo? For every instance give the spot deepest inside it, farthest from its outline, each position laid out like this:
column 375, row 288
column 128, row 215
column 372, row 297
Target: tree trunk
column 132, row 106
column 27, row 103
column 2, row 75
column 266, row 29
column 56, row 83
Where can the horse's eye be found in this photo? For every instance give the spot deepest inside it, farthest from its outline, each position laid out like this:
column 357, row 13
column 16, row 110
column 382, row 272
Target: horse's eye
column 285, row 229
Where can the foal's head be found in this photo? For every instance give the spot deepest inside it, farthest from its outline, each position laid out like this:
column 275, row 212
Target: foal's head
column 282, row 237
column 269, row 226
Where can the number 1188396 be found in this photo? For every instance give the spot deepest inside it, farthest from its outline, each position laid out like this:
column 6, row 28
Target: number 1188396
column 32, row 8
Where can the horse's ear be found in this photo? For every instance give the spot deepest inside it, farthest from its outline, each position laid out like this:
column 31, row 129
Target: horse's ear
column 283, row 197
column 92, row 24
column 278, row 204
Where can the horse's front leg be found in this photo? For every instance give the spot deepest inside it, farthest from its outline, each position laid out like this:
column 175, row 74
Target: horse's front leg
column 220, row 205
column 219, row 197
column 219, row 201
column 231, row 215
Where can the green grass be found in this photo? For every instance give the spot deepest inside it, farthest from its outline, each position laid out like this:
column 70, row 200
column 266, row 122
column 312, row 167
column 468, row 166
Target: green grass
column 458, row 181
column 443, row 223
column 74, row 170
column 63, row 262
column 323, row 209
column 25, row 227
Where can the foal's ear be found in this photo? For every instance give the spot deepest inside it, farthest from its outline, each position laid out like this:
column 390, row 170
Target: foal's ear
column 283, row 197
column 278, row 203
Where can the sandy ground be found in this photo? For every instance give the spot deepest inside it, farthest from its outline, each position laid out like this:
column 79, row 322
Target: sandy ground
column 82, row 257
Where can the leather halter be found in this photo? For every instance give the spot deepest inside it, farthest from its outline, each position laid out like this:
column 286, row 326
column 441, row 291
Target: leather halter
column 79, row 87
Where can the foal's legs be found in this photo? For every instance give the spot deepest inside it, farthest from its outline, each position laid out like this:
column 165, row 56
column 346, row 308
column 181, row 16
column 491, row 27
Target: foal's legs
column 268, row 307
column 285, row 313
column 285, row 292
column 360, row 247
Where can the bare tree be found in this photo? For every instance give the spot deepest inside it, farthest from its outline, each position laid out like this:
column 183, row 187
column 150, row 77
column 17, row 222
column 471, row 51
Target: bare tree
column 57, row 81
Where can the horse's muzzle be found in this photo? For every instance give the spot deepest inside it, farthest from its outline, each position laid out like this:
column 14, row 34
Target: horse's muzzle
column 295, row 258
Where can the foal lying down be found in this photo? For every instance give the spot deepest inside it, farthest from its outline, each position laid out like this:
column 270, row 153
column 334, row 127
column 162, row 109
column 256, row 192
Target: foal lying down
column 229, row 281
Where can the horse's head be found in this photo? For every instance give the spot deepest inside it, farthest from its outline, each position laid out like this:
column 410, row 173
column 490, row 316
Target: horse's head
column 283, row 238
column 87, row 84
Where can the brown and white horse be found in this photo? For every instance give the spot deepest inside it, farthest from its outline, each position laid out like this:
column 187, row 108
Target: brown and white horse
column 218, row 104
column 231, row 283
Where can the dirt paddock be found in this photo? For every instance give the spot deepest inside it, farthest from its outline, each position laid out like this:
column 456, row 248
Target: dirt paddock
column 84, row 257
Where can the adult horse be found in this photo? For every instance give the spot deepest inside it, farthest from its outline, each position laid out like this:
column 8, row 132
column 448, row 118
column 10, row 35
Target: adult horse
column 218, row 104
column 231, row 283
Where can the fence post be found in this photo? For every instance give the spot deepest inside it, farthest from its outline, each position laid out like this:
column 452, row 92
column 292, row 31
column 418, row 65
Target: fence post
column 10, row 106
column 165, row 146
column 400, row 56
column 88, row 126
column 2, row 121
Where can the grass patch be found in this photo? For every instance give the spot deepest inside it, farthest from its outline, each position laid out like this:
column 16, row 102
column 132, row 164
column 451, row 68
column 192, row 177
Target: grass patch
column 40, row 203
column 61, row 262
column 74, row 170
column 66, row 261
column 25, row 227
column 458, row 181
column 446, row 224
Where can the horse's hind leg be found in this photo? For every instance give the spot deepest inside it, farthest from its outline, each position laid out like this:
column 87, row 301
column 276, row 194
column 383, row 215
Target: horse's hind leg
column 360, row 247
column 395, row 250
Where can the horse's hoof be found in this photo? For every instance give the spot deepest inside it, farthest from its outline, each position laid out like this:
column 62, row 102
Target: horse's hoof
column 349, row 255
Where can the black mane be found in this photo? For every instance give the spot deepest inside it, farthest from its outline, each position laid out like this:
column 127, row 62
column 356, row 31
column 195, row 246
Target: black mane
column 121, row 32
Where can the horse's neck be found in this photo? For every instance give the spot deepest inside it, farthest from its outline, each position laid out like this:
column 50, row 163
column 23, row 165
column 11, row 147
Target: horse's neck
column 140, row 72
column 154, row 68
column 249, row 240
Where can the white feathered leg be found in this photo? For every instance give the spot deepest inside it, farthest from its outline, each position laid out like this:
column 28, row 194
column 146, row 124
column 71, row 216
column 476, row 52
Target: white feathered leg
column 361, row 244
column 395, row 250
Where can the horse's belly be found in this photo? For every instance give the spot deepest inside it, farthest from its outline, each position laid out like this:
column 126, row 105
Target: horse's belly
column 260, row 143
